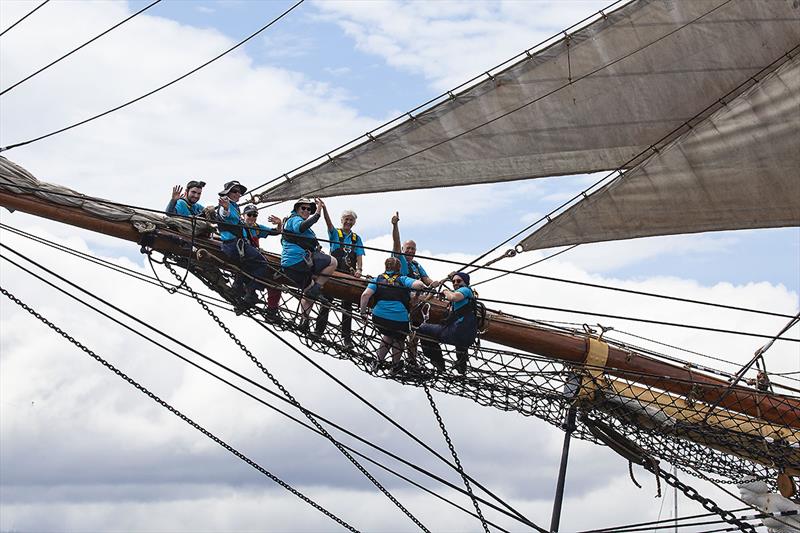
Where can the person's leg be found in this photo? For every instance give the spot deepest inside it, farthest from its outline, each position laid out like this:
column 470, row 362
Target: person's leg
column 429, row 335
column 347, row 322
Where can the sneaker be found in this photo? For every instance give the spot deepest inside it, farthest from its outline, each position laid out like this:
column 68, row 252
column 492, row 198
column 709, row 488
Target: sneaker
column 396, row 368
column 304, row 325
column 272, row 315
column 374, row 366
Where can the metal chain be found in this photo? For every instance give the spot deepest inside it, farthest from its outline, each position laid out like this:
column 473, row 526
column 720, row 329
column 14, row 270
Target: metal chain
column 177, row 413
column 294, row 401
column 693, row 494
column 455, row 457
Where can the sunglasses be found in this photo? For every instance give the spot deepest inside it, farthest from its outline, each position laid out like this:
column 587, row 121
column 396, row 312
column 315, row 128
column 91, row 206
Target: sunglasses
column 304, row 208
column 457, row 281
column 253, row 215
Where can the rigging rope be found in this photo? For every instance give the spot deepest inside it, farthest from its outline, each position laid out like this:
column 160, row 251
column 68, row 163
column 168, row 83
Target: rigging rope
column 248, row 380
column 34, row 10
column 455, row 456
column 90, row 41
column 177, row 413
column 157, row 89
column 294, row 401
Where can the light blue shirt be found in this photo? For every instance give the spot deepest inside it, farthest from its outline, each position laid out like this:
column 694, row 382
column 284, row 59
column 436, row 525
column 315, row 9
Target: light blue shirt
column 182, row 207
column 391, row 309
column 291, row 253
column 468, row 295
column 232, row 218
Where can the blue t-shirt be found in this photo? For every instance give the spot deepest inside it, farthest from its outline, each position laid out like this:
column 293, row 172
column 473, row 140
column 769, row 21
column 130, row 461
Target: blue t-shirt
column 182, row 207
column 259, row 231
column 406, row 267
column 333, row 236
column 391, row 309
column 232, row 218
column 291, row 254
column 468, row 295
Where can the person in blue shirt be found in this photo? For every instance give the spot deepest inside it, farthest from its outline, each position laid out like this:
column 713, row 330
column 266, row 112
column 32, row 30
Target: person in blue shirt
column 302, row 261
column 390, row 313
column 459, row 329
column 348, row 250
column 405, row 253
column 238, row 248
column 254, row 232
column 186, row 204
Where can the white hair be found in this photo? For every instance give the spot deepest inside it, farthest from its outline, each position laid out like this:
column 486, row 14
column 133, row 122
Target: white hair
column 349, row 212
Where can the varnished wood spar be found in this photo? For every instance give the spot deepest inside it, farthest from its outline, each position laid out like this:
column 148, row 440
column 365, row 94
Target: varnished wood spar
column 502, row 330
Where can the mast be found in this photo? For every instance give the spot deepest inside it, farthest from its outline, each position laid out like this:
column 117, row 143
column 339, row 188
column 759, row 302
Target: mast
column 772, row 408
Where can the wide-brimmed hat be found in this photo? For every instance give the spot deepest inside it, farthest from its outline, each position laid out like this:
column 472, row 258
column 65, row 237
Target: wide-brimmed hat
column 229, row 186
column 307, row 201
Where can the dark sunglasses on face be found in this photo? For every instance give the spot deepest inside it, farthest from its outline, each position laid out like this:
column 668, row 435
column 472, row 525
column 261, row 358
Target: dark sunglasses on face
column 304, row 208
column 457, row 281
column 254, row 215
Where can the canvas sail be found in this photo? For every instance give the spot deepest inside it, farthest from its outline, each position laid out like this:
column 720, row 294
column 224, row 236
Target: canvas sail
column 738, row 169
column 589, row 102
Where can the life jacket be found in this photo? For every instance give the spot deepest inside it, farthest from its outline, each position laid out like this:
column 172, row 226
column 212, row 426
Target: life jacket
column 309, row 244
column 388, row 288
column 473, row 308
column 345, row 254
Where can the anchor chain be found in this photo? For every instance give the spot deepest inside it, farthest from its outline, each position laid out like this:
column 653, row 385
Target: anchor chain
column 295, row 403
column 177, row 413
column 455, row 457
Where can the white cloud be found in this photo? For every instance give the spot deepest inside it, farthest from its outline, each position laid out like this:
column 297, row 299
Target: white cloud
column 82, row 450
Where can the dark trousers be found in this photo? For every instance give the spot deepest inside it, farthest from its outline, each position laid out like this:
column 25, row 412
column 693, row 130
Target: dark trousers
column 347, row 320
column 252, row 263
column 461, row 335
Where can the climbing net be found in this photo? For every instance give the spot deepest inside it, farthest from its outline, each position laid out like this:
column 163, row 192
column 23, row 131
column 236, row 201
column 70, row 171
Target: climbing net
column 644, row 421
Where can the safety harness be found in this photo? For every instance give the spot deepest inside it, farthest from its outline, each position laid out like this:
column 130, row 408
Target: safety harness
column 345, row 254
column 389, row 289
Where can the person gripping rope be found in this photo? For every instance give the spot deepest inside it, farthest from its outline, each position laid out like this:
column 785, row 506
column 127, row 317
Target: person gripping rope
column 301, row 259
column 390, row 313
column 348, row 250
column 460, row 328
column 186, row 203
column 237, row 248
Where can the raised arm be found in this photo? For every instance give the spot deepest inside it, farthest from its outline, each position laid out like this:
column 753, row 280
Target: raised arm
column 396, row 233
column 327, row 217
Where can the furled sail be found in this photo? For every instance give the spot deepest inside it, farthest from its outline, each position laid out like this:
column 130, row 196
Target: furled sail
column 591, row 101
column 738, row 169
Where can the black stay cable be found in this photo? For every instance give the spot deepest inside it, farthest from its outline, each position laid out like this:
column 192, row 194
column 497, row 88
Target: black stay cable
column 157, row 89
column 224, row 367
column 455, row 457
column 451, row 262
column 622, row 529
column 383, row 415
column 90, row 41
column 296, row 403
column 177, row 413
column 264, row 389
column 34, row 10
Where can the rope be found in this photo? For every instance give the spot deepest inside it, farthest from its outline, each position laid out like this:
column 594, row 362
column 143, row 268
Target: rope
column 294, row 401
column 177, row 413
column 455, row 457
column 34, row 10
column 244, row 378
column 157, row 89
column 90, row 41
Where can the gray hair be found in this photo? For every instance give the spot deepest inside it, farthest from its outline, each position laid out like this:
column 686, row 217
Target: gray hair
column 349, row 212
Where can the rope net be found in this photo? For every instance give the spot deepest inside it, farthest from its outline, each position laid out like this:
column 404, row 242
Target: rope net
column 702, row 439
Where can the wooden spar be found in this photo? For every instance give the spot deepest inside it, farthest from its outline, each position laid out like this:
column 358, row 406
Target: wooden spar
column 776, row 409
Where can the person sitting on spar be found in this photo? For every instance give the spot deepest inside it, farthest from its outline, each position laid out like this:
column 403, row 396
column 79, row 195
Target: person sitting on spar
column 348, row 250
column 460, row 328
column 390, row 313
column 301, row 259
column 237, row 248
column 186, row 204
column 253, row 232
column 405, row 253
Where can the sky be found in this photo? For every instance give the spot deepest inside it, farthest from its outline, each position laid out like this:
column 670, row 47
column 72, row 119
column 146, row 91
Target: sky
column 82, row 451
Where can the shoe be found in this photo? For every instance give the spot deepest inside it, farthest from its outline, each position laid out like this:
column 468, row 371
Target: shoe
column 461, row 367
column 373, row 368
column 250, row 300
column 396, row 368
column 272, row 315
column 304, row 325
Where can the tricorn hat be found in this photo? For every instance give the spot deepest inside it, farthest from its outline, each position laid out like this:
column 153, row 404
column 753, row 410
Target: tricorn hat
column 229, row 186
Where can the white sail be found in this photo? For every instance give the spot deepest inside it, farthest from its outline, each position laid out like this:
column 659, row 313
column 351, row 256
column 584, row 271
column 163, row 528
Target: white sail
column 589, row 102
column 739, row 168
